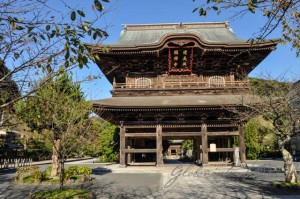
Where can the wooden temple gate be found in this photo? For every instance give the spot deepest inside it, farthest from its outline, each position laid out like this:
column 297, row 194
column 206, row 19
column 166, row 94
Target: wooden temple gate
column 180, row 80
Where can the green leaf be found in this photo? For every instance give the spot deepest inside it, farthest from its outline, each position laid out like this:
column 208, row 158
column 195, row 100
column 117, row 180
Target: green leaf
column 95, row 35
column 84, row 60
column 202, row 12
column 42, row 36
column 89, row 32
column 85, row 28
column 81, row 13
column 107, row 1
column 195, row 9
column 12, row 24
column 67, row 55
column 16, row 55
column 49, row 69
column 19, row 27
column 215, row 8
column 73, row 16
column 48, row 27
column 1, row 38
column 98, row 5
column 57, row 29
column 30, row 29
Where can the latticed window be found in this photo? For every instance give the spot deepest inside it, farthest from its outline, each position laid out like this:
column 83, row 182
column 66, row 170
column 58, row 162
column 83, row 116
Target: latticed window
column 216, row 81
column 143, row 82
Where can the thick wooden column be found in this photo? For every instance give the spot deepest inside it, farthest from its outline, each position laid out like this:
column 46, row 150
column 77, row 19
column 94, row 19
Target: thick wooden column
column 129, row 155
column 198, row 152
column 122, row 146
column 242, row 144
column 159, row 147
column 204, row 144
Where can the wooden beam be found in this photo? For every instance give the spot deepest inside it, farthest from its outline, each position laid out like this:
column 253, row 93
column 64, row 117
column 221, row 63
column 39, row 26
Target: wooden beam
column 181, row 134
column 140, row 135
column 222, row 150
column 140, row 150
column 140, row 126
column 234, row 133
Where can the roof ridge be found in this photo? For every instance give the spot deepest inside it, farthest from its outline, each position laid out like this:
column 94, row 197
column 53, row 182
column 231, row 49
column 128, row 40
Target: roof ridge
column 183, row 25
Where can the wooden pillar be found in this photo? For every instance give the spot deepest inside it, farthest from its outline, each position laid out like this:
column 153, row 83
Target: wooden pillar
column 122, row 146
column 129, row 155
column 242, row 144
column 204, row 144
column 198, row 149
column 159, row 147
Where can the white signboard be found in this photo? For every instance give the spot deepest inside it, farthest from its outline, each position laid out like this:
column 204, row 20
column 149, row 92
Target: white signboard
column 213, row 148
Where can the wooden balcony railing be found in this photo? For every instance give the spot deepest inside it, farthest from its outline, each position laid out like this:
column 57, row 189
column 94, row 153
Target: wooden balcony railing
column 174, row 85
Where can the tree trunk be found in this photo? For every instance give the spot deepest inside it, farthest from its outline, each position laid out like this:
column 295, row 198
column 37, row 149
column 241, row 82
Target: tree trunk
column 55, row 162
column 62, row 174
column 289, row 168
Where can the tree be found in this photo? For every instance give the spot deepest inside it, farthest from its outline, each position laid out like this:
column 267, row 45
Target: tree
column 93, row 147
column 256, row 130
column 109, row 141
column 45, row 36
column 60, row 110
column 278, row 13
column 274, row 101
column 8, row 89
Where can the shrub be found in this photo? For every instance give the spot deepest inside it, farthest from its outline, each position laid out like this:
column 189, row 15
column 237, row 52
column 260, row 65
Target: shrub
column 84, row 170
column 38, row 176
column 73, row 170
column 48, row 170
column 21, row 172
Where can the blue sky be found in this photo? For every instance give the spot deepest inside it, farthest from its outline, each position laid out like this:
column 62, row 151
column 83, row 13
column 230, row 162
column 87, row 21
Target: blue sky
column 282, row 61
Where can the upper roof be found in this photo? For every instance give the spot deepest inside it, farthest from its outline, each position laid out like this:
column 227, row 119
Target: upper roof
column 138, row 34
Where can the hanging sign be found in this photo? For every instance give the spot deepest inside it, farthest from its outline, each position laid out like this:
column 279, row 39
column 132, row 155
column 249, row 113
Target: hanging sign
column 180, row 59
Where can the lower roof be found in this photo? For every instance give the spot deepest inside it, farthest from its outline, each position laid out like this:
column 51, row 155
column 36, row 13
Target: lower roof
column 174, row 101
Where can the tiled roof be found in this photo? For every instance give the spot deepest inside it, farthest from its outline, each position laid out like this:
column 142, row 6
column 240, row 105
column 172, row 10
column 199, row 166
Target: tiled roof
column 174, row 101
column 133, row 35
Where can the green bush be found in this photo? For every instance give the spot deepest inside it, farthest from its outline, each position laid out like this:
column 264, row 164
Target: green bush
column 38, row 176
column 21, row 173
column 73, row 170
column 48, row 170
column 84, row 170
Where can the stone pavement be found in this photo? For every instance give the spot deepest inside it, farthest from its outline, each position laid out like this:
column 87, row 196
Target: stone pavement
column 173, row 181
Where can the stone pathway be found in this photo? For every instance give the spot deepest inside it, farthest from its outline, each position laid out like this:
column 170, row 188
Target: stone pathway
column 173, row 181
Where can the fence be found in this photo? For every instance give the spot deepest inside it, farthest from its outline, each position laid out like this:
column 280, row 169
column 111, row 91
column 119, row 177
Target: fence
column 15, row 162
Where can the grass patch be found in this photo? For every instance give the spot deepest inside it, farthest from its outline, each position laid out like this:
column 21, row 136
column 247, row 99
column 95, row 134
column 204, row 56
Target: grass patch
column 290, row 185
column 28, row 179
column 56, row 193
